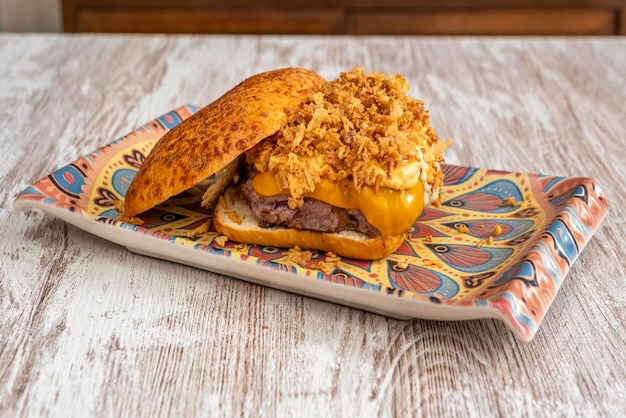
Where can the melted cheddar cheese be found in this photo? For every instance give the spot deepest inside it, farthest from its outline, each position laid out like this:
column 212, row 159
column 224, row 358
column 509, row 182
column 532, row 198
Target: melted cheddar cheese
column 390, row 211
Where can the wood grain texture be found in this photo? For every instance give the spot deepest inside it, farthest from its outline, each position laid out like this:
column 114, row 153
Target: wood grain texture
column 90, row 329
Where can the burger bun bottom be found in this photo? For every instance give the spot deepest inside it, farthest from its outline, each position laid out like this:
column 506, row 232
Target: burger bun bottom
column 234, row 218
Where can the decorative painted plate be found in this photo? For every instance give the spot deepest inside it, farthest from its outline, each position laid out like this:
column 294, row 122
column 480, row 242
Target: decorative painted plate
column 499, row 246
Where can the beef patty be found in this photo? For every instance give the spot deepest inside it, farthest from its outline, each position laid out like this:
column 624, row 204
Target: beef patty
column 313, row 215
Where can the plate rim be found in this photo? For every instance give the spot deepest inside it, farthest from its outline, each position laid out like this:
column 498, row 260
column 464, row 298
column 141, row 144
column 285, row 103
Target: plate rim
column 129, row 239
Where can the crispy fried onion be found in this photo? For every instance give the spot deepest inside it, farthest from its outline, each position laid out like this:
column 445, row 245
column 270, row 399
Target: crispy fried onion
column 362, row 127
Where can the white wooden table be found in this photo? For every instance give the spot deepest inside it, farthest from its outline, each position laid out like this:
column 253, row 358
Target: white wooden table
column 89, row 329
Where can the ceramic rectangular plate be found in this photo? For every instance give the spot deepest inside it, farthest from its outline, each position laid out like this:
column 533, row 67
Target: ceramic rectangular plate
column 499, row 246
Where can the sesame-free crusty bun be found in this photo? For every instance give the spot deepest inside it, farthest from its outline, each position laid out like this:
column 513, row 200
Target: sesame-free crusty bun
column 218, row 134
column 234, row 218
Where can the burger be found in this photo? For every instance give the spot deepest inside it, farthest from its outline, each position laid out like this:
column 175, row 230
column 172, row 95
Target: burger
column 344, row 166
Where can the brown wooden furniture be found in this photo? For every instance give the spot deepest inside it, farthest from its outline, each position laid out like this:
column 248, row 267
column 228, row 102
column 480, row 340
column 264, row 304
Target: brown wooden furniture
column 366, row 17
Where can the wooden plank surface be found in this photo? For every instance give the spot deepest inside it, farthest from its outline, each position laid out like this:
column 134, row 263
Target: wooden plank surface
column 90, row 329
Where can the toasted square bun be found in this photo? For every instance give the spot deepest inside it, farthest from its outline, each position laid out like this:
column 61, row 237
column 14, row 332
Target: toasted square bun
column 218, row 134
